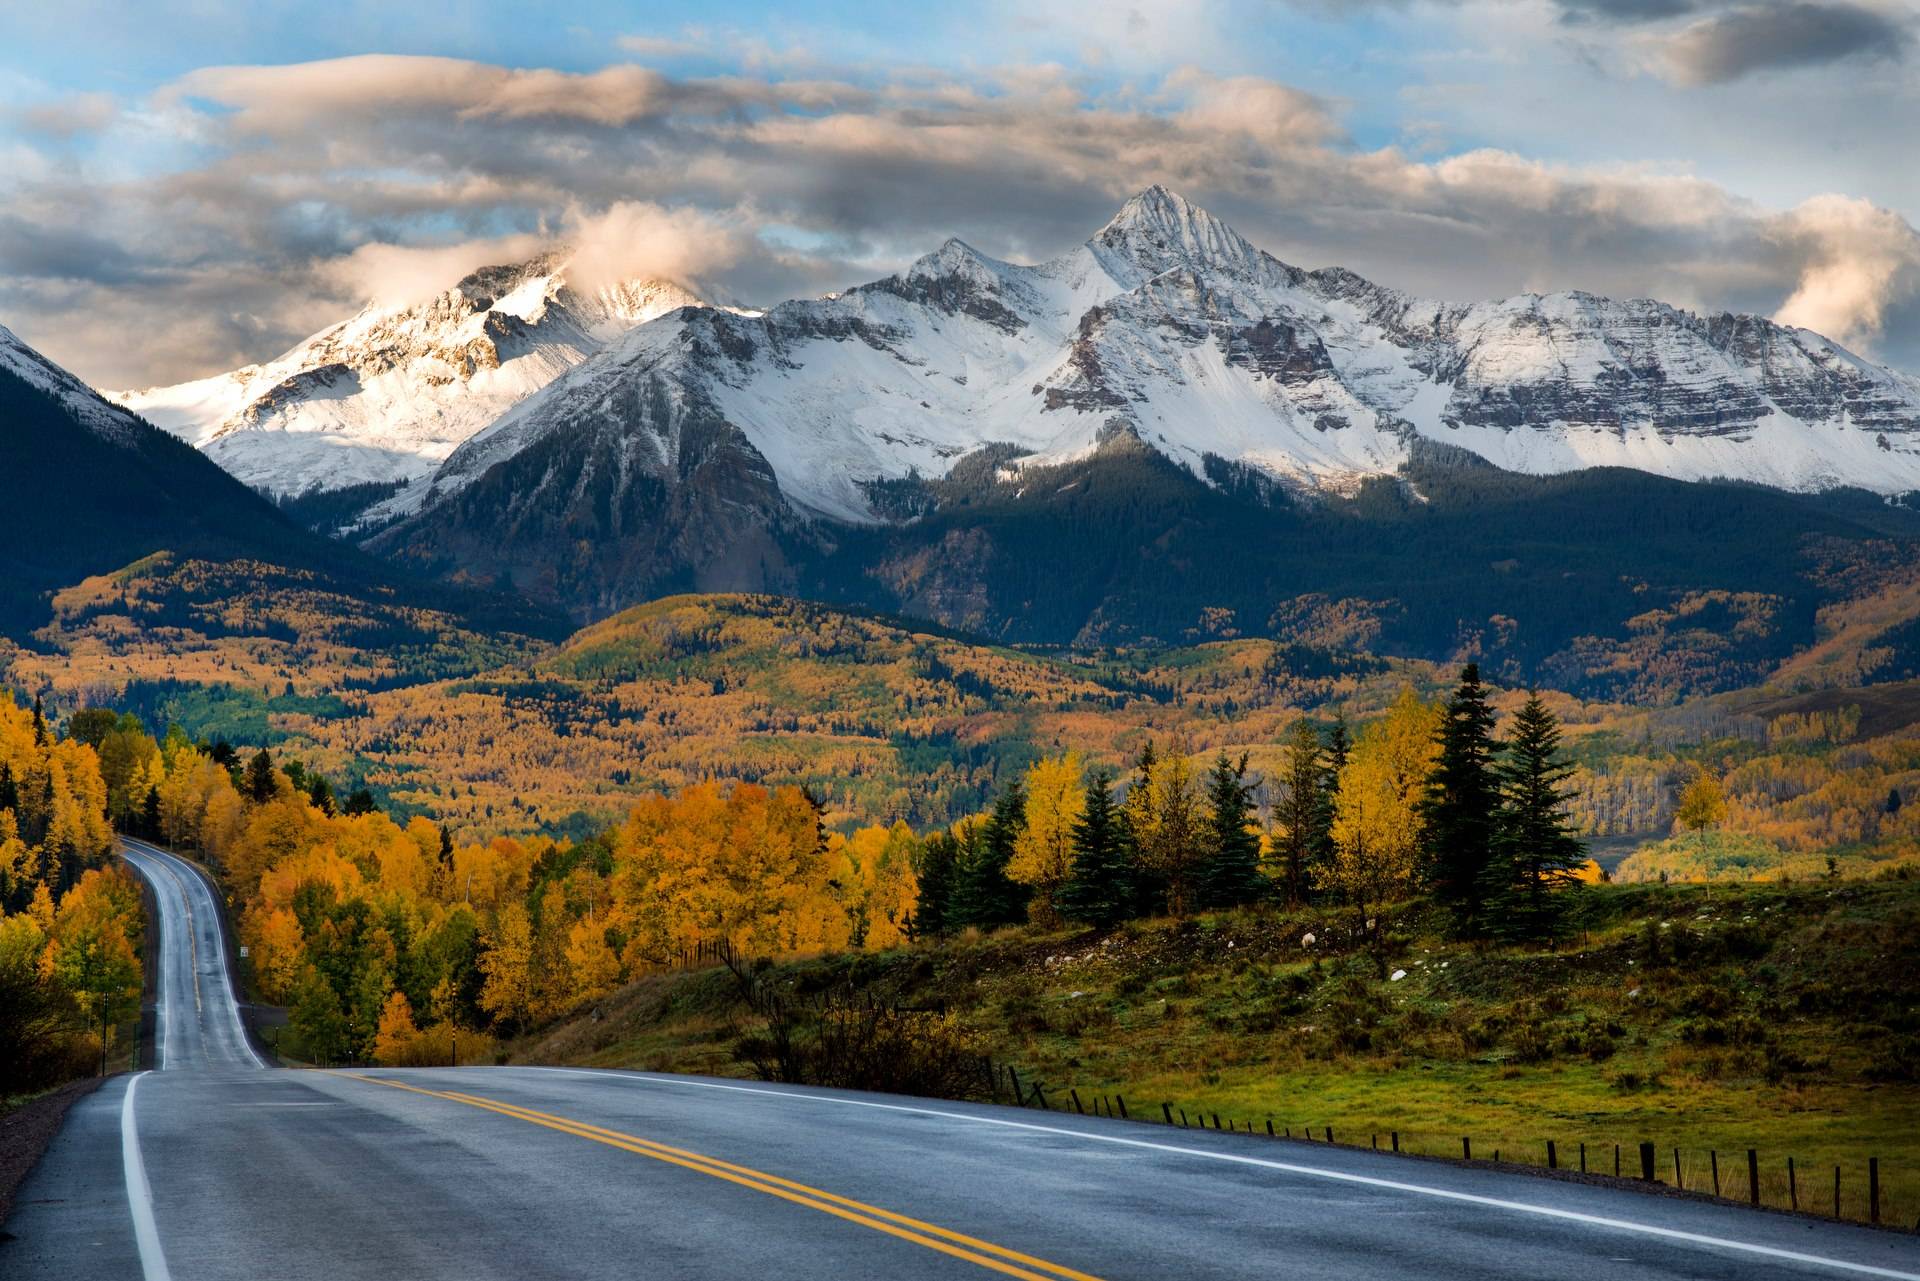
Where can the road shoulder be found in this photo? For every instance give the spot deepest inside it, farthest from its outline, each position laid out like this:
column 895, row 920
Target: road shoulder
column 26, row 1132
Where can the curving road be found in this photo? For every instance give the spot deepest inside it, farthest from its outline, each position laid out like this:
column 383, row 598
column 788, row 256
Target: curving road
column 211, row 1168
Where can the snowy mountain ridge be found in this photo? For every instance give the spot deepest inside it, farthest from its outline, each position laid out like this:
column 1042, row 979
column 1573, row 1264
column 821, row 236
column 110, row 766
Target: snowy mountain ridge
column 384, row 396
column 1169, row 327
column 104, row 419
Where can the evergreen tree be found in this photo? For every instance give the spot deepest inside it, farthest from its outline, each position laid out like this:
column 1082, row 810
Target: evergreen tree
column 446, row 849
column 260, row 777
column 9, row 790
column 150, row 815
column 1892, row 806
column 1535, row 847
column 1229, row 874
column 935, row 868
column 39, row 722
column 1101, row 890
column 359, row 801
column 1462, row 795
column 320, row 792
column 984, row 895
column 1339, row 748
column 1303, row 815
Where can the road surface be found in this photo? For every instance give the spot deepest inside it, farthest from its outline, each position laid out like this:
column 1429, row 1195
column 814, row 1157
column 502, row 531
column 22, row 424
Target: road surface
column 211, row 1167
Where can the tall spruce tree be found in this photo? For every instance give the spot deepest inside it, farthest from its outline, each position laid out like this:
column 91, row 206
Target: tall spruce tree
column 1305, row 818
column 935, row 868
column 260, row 780
column 1339, row 748
column 1101, row 890
column 1457, row 813
column 984, row 895
column 1229, row 874
column 1535, row 848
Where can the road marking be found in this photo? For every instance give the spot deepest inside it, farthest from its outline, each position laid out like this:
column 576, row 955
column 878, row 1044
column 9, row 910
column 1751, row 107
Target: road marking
column 153, row 1262
column 1337, row 1176
column 957, row 1244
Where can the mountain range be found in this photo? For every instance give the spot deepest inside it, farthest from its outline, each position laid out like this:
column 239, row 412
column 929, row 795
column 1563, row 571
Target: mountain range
column 1164, row 435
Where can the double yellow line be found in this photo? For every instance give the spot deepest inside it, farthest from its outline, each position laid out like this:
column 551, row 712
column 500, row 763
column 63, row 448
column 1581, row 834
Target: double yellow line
column 957, row 1244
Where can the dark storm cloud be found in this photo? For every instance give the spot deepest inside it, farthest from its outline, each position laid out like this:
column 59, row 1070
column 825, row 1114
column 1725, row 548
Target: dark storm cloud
column 1741, row 41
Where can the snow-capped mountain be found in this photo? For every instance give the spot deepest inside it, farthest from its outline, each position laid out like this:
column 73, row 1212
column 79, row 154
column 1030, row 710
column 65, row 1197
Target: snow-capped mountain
column 1169, row 327
column 385, row 396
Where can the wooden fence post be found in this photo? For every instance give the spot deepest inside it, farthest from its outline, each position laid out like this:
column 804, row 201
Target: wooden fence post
column 1329, row 1134
column 1396, row 1140
column 1679, row 1180
column 1713, row 1158
column 1553, row 1157
column 1123, row 1107
column 1616, row 1160
column 1167, row 1110
column 1183, row 1118
column 1270, row 1134
column 1836, row 1191
column 1076, row 1101
column 1793, row 1187
column 1466, row 1148
column 1583, row 1158
column 1753, row 1175
column 1646, row 1162
column 1019, row 1095
column 1873, row 1189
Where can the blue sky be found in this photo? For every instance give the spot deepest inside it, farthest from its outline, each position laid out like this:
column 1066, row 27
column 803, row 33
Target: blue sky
column 228, row 176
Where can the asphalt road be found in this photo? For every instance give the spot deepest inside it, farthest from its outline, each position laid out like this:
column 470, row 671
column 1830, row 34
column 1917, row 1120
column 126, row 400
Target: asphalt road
column 213, row 1168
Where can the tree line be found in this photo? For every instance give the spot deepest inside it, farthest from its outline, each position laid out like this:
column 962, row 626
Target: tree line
column 1424, row 799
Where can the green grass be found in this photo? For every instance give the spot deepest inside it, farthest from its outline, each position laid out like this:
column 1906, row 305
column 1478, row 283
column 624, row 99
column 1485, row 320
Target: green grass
column 1709, row 1018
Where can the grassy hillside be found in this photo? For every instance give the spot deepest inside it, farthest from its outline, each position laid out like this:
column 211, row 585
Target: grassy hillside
column 1703, row 1018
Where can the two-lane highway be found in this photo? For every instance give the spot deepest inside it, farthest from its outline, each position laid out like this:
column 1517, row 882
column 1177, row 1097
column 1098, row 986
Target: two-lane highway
column 212, row 1168
column 197, row 1018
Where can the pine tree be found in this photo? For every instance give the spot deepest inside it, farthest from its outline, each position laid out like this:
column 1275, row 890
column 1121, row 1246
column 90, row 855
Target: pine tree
column 1339, row 749
column 935, row 869
column 9, row 790
column 39, row 721
column 1101, row 890
column 1462, row 795
column 1303, row 814
column 446, row 849
column 1229, row 873
column 260, row 781
column 1535, row 847
column 150, row 815
column 984, row 895
column 1891, row 807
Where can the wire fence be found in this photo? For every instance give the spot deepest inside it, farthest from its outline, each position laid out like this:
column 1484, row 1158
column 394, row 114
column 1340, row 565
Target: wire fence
column 1864, row 1190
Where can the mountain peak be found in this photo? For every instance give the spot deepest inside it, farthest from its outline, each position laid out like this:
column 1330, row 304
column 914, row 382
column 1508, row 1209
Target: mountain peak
column 1159, row 229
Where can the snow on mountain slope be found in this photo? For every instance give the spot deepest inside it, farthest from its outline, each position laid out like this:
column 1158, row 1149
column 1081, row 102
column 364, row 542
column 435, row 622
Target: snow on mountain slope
column 81, row 401
column 388, row 394
column 1170, row 327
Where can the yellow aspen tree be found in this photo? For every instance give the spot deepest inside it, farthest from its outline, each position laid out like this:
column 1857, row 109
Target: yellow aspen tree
column 1376, row 824
column 506, row 964
column 1043, row 851
column 393, row 1040
column 596, row 970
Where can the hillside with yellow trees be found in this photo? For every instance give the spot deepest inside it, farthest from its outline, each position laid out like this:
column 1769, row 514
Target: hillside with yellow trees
column 70, row 925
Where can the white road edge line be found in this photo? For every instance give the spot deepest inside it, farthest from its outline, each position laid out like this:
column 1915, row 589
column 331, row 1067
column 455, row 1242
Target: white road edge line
column 1337, row 1176
column 153, row 1262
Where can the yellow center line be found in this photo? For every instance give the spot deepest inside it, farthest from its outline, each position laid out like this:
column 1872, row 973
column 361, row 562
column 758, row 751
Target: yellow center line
column 984, row 1253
